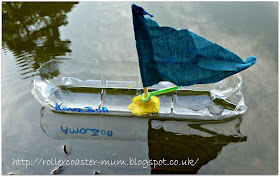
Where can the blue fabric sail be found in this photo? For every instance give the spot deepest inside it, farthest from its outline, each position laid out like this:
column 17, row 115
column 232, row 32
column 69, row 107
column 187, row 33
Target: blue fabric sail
column 180, row 56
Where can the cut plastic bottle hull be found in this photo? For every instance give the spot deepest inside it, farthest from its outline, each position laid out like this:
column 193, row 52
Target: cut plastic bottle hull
column 80, row 92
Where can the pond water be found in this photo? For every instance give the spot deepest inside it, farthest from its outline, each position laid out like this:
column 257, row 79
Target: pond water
column 34, row 33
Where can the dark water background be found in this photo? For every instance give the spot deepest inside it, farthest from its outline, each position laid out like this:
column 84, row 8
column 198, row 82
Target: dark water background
column 34, row 33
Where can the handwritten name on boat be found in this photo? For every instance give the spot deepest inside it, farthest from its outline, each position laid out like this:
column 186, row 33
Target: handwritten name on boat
column 89, row 109
column 92, row 131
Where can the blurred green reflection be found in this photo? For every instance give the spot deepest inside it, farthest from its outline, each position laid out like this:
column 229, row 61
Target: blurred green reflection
column 31, row 32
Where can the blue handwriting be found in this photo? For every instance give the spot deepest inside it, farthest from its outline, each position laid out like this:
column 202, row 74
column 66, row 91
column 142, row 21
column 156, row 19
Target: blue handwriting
column 94, row 132
column 89, row 109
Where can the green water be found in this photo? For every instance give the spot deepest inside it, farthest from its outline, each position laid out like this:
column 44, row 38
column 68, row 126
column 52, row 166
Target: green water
column 34, row 33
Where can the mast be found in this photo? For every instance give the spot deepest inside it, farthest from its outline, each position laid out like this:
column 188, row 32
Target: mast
column 146, row 92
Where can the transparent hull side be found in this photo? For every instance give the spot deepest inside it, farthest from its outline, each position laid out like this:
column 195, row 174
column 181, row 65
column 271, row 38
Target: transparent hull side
column 108, row 87
column 81, row 126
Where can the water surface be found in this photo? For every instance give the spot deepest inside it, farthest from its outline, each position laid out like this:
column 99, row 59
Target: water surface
column 34, row 33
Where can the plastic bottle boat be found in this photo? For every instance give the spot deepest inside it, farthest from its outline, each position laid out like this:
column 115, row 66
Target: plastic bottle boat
column 107, row 87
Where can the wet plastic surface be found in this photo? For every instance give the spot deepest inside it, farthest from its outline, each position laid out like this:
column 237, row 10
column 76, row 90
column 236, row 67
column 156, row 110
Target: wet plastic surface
column 81, row 126
column 102, row 87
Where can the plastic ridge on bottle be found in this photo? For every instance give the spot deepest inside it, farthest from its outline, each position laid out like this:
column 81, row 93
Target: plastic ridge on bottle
column 107, row 87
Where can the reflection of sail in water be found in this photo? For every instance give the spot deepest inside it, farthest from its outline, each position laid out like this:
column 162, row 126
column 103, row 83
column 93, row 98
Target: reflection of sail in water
column 166, row 138
column 194, row 144
column 31, row 32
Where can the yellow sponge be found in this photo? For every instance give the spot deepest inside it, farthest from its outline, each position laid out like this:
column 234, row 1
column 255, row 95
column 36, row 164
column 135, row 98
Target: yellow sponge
column 140, row 107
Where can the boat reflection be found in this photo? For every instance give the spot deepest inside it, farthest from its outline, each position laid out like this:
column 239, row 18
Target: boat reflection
column 167, row 139
column 31, row 32
column 176, row 140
